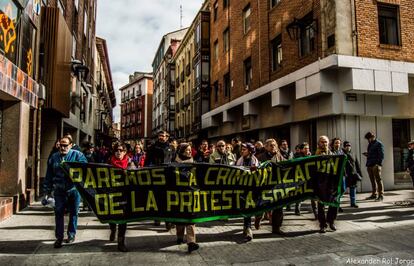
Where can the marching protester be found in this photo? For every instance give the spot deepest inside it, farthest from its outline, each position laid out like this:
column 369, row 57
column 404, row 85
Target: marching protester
column 259, row 148
column 184, row 156
column 121, row 160
column 203, row 153
column 375, row 157
column 352, row 173
column 65, row 194
column 323, row 149
column 158, row 154
column 272, row 153
column 277, row 214
column 221, row 155
column 55, row 148
column 138, row 156
column 74, row 145
column 337, row 150
column 284, row 150
column 89, row 153
column 336, row 146
column 304, row 151
column 410, row 160
column 247, row 159
column 236, row 143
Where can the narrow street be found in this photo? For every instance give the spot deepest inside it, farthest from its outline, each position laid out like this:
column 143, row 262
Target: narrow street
column 375, row 233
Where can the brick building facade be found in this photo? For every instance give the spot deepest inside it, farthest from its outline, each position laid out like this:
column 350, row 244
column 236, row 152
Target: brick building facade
column 136, row 107
column 298, row 69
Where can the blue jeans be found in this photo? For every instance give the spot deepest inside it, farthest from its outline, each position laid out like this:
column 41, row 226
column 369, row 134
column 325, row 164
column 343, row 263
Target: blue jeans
column 66, row 200
column 352, row 195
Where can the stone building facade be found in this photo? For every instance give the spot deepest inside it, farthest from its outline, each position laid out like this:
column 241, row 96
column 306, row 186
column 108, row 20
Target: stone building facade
column 163, row 113
column 192, row 79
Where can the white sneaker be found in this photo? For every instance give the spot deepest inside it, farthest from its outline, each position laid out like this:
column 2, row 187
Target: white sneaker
column 248, row 234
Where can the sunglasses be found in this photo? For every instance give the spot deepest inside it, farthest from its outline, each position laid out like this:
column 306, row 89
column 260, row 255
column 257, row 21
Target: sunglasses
column 64, row 145
column 220, row 145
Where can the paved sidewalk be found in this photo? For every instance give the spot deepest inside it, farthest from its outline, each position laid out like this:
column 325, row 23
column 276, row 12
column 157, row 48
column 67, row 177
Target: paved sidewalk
column 378, row 233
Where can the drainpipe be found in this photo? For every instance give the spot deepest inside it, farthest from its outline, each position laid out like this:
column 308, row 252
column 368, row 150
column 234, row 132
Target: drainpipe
column 42, row 98
column 354, row 28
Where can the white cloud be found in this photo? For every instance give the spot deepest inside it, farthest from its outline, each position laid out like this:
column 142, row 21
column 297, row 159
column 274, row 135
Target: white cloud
column 133, row 31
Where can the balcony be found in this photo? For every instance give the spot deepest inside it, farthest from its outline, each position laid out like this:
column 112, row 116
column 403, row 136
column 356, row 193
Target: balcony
column 196, row 127
column 187, row 100
column 182, row 76
column 187, row 70
column 196, row 93
column 182, row 104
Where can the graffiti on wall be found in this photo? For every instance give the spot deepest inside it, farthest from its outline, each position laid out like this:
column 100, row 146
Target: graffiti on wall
column 8, row 29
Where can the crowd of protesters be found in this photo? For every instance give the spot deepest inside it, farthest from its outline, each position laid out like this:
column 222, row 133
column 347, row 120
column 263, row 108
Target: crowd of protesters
column 234, row 153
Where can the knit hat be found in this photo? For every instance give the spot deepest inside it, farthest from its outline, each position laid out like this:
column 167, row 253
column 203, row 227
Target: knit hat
column 249, row 146
column 347, row 143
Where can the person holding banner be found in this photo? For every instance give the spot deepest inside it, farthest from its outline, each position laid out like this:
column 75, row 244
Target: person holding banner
column 323, row 149
column 184, row 155
column 160, row 153
column 272, row 153
column 65, row 194
column 221, row 155
column 248, row 159
column 121, row 160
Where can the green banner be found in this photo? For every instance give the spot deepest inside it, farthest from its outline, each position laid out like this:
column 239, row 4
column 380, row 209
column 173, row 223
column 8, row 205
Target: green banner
column 194, row 193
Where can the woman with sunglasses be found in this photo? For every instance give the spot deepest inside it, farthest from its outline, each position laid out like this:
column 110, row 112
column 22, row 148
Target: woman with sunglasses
column 121, row 160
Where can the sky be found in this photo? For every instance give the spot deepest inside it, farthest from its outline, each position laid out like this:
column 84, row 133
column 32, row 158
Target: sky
column 133, row 30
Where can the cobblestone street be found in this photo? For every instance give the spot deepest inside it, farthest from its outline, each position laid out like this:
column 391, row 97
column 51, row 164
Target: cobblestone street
column 380, row 233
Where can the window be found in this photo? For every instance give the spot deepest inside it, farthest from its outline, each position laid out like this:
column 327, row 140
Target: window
column 276, row 52
column 225, row 3
column 226, row 40
column 248, row 73
column 307, row 35
column 389, row 28
column 227, row 85
column 273, row 3
column 246, row 19
column 61, row 7
column 216, row 91
column 216, row 50
column 215, row 10
column 85, row 23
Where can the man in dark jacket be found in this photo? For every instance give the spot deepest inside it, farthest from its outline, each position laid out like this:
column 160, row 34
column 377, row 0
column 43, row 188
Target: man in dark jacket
column 160, row 152
column 284, row 150
column 410, row 159
column 375, row 157
column 203, row 153
column 65, row 194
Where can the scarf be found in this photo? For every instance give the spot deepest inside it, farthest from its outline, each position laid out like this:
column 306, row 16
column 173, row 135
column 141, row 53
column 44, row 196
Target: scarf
column 120, row 163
